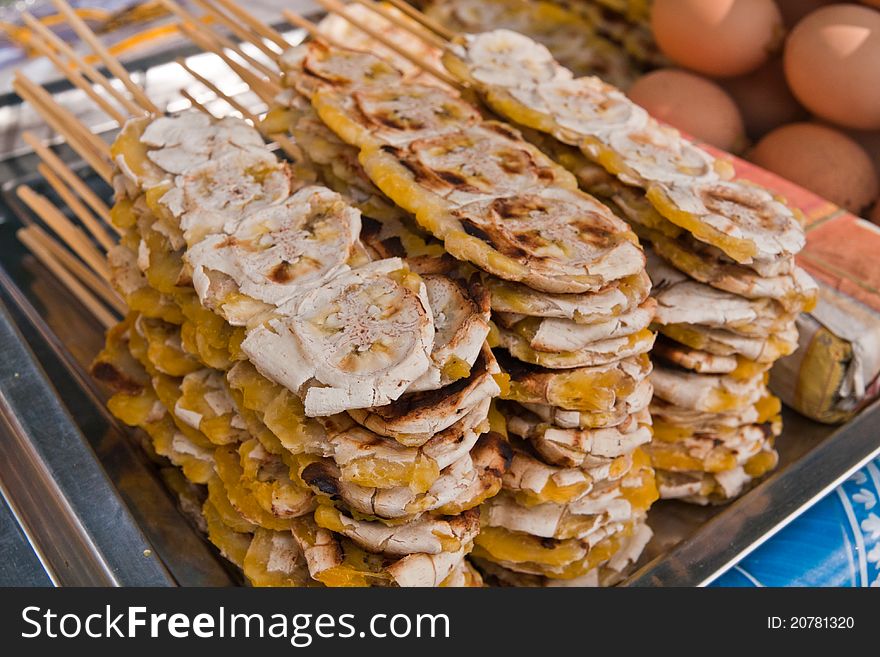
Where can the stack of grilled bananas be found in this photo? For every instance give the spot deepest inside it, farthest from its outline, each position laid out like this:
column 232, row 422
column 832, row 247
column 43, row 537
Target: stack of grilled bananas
column 605, row 38
column 722, row 259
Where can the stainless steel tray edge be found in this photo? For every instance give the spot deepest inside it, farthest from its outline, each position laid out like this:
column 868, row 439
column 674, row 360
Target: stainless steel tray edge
column 49, row 473
column 718, row 544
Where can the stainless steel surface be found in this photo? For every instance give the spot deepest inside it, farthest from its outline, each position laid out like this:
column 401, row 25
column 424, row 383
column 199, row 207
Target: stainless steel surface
column 692, row 545
column 21, row 564
column 52, row 480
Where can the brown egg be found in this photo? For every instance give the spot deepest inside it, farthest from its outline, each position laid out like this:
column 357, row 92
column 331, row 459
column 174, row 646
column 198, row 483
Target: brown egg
column 832, row 64
column 764, row 100
column 794, row 10
column 874, row 215
column 693, row 104
column 720, row 38
column 869, row 140
column 822, row 160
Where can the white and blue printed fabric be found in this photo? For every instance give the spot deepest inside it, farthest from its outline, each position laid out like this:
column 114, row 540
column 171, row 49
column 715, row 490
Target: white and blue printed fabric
column 834, row 543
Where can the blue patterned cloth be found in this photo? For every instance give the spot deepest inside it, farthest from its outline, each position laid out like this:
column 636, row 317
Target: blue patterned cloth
column 834, row 543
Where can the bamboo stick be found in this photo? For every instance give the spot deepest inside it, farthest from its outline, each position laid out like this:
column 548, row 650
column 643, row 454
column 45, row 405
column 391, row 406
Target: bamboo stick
column 80, row 64
column 295, row 19
column 195, row 103
column 85, row 275
column 416, row 29
column 255, row 24
column 337, row 8
column 282, row 140
column 76, row 79
column 263, row 88
column 240, row 32
column 79, row 291
column 81, row 211
column 63, row 122
column 65, row 229
column 59, row 167
column 422, row 19
column 79, row 26
column 196, row 25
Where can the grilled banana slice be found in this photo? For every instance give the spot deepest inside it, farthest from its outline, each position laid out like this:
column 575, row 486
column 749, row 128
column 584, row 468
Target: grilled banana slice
column 681, row 300
column 624, row 407
column 206, row 404
column 375, row 116
column 415, row 417
column 337, row 561
column 357, row 341
column 625, row 549
column 427, row 534
column 614, row 299
column 592, row 389
column 706, row 453
column 504, row 58
column 710, row 393
column 743, row 220
column 726, row 343
column 151, row 151
column 275, row 253
column 602, row 352
column 686, row 421
column 702, row 362
column 462, row 485
column 275, row 559
column 461, row 325
column 716, row 487
column 214, row 196
column 795, row 291
column 554, row 240
column 551, row 334
column 583, row 448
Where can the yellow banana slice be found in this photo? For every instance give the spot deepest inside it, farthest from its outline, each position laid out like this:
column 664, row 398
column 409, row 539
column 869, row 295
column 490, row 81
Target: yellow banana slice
column 359, row 340
column 710, row 393
column 275, row 253
column 592, row 389
column 426, row 535
column 597, row 353
column 592, row 449
column 588, row 308
column 743, row 220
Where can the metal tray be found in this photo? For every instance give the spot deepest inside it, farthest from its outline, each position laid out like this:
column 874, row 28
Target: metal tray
column 95, row 510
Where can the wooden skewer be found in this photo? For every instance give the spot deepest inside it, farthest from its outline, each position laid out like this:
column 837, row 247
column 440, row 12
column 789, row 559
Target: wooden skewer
column 422, row 19
column 195, row 103
column 86, row 298
column 76, row 79
column 63, row 122
column 263, row 88
column 79, row 26
column 255, row 24
column 65, row 229
column 416, row 29
column 81, row 211
column 240, row 32
column 245, row 113
column 295, row 19
column 71, row 128
column 59, row 167
column 196, row 25
column 77, row 62
column 337, row 8
column 78, row 269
